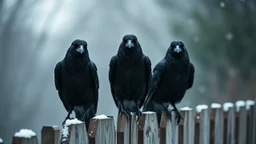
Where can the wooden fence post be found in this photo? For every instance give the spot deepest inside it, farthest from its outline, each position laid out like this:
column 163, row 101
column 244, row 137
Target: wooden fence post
column 229, row 123
column 188, row 126
column 204, row 123
column 126, row 130
column 25, row 136
column 250, row 106
column 1, row 141
column 102, row 130
column 168, row 129
column 50, row 135
column 74, row 132
column 148, row 129
column 216, row 124
column 241, row 120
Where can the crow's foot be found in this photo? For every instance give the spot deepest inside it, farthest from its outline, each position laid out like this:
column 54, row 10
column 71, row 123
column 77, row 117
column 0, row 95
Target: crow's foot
column 123, row 111
column 168, row 113
column 178, row 115
column 138, row 113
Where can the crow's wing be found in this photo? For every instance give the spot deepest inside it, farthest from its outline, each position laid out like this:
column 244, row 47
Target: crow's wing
column 148, row 75
column 95, row 82
column 191, row 75
column 158, row 72
column 112, row 68
column 58, row 81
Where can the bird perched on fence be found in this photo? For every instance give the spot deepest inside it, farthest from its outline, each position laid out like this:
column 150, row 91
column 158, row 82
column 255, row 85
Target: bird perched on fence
column 172, row 76
column 76, row 80
column 129, row 76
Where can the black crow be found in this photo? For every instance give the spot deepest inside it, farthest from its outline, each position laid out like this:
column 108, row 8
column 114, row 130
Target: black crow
column 76, row 80
column 129, row 76
column 172, row 76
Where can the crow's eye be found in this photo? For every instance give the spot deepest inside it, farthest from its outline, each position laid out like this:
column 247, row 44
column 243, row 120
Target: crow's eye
column 182, row 45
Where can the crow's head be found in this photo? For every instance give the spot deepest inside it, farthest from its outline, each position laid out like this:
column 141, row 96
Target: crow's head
column 130, row 41
column 79, row 47
column 177, row 48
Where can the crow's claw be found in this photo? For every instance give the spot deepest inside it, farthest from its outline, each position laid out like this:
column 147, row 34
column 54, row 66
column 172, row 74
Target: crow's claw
column 128, row 115
column 139, row 113
column 178, row 116
column 168, row 113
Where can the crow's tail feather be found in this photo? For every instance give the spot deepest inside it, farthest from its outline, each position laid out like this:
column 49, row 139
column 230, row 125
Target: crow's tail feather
column 84, row 114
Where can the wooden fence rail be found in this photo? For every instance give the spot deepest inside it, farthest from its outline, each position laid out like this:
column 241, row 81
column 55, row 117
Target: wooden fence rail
column 215, row 124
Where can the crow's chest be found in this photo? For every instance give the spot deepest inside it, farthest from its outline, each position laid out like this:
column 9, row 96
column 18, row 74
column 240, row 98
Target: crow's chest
column 130, row 70
column 177, row 73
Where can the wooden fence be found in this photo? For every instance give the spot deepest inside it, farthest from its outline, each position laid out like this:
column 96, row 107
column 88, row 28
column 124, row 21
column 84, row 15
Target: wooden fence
column 220, row 124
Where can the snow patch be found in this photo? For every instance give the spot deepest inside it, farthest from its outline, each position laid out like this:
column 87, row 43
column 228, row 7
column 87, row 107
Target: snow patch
column 68, row 123
column 148, row 112
column 227, row 105
column 100, row 117
column 215, row 105
column 239, row 104
column 186, row 109
column 25, row 133
column 229, row 36
column 1, row 141
column 249, row 103
column 222, row 4
column 199, row 108
column 72, row 121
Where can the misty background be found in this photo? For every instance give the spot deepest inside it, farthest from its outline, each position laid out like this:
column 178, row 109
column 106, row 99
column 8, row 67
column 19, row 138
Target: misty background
column 35, row 34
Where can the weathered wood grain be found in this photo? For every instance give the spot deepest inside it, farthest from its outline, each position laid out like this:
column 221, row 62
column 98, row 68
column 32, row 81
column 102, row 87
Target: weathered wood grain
column 188, row 132
column 74, row 134
column 216, row 126
column 148, row 129
column 241, row 119
column 126, row 130
column 22, row 140
column 102, row 131
column 50, row 135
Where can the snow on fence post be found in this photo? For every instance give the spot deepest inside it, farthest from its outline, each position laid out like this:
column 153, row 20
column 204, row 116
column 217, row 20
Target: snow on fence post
column 216, row 124
column 25, row 136
column 126, row 130
column 241, row 118
column 188, row 125
column 50, row 135
column 250, row 106
column 148, row 128
column 229, row 123
column 74, row 132
column 167, row 129
column 1, row 141
column 102, row 130
column 204, row 123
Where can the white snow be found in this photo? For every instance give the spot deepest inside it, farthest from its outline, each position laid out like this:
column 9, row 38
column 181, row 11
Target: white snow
column 239, row 104
column 227, row 105
column 186, row 109
column 215, row 105
column 222, row 4
column 199, row 108
column 68, row 123
column 148, row 112
column 65, row 132
column 25, row 133
column 229, row 36
column 72, row 121
column 100, row 117
column 249, row 103
column 1, row 141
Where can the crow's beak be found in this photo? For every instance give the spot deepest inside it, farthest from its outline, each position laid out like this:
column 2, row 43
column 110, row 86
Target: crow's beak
column 129, row 44
column 80, row 49
column 177, row 49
